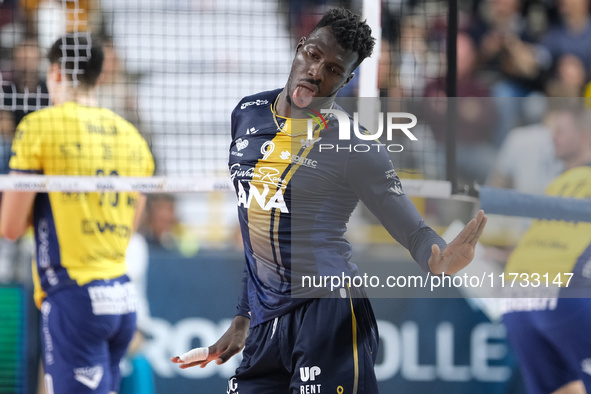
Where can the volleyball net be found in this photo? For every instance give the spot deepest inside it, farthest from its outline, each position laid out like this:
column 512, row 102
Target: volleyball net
column 177, row 69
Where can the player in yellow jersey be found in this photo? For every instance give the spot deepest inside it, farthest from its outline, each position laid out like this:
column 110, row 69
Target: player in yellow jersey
column 87, row 303
column 551, row 333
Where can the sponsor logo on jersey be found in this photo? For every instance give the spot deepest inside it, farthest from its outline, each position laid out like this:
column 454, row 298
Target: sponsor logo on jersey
column 391, row 174
column 396, row 188
column 303, row 161
column 256, row 102
column 89, row 376
column 245, row 197
column 94, row 227
column 252, row 130
column 309, row 374
column 232, row 386
column 309, row 142
column 285, row 155
column 241, row 144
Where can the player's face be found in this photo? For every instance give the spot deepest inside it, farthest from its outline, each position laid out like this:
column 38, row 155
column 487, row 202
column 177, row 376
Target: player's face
column 321, row 67
column 566, row 135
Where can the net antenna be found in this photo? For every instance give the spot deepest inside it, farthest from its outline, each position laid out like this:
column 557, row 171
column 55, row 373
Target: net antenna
column 368, row 77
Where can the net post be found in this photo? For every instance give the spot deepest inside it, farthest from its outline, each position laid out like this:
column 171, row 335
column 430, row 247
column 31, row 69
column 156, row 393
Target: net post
column 451, row 93
column 368, row 77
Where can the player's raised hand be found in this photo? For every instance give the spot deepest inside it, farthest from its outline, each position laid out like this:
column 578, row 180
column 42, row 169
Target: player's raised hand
column 460, row 252
column 227, row 346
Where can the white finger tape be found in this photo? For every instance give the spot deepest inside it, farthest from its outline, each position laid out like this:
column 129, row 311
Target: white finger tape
column 197, row 354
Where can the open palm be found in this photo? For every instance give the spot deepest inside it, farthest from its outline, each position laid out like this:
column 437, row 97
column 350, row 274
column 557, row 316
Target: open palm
column 460, row 252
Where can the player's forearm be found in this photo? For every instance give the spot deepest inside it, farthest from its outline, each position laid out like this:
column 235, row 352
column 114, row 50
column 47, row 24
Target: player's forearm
column 15, row 213
column 421, row 244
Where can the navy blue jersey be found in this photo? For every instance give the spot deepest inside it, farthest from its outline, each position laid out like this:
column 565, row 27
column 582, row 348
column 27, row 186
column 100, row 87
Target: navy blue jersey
column 295, row 197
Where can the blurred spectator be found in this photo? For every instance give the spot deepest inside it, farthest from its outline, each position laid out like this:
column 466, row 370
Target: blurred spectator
column 160, row 221
column 23, row 88
column 529, row 173
column 568, row 79
column 24, row 92
column 475, row 117
column 511, row 59
column 525, row 173
column 572, row 35
column 161, row 227
column 414, row 56
column 304, row 14
column 114, row 90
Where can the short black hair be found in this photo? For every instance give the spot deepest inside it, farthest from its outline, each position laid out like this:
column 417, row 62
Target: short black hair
column 80, row 56
column 350, row 31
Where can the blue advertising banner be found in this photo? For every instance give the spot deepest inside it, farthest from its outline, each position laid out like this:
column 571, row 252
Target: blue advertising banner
column 426, row 345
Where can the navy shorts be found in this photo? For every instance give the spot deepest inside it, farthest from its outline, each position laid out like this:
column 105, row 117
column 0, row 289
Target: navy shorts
column 553, row 346
column 85, row 332
column 327, row 345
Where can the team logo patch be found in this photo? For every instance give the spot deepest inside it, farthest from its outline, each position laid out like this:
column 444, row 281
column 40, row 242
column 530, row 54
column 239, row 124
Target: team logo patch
column 396, row 187
column 241, row 144
column 89, row 376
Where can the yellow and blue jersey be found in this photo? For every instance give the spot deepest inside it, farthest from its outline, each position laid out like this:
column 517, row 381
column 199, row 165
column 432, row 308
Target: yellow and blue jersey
column 554, row 247
column 295, row 196
column 80, row 237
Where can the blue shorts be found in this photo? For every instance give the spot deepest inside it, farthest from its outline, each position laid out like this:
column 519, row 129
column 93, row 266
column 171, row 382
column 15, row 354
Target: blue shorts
column 85, row 332
column 553, row 346
column 328, row 345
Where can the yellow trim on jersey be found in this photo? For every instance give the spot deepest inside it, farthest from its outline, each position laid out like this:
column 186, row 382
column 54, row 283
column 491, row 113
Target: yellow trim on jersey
column 38, row 293
column 268, row 181
column 355, row 350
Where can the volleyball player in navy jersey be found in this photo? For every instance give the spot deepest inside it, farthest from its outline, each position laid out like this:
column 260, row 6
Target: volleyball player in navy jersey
column 294, row 201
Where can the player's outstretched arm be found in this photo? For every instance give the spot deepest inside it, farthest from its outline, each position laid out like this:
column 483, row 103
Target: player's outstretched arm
column 16, row 212
column 227, row 346
column 460, row 252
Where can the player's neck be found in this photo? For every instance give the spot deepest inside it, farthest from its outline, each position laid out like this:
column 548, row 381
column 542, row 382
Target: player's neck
column 581, row 160
column 82, row 96
column 282, row 107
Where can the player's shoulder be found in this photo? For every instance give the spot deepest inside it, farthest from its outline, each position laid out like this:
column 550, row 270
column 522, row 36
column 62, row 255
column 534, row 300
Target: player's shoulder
column 108, row 114
column 577, row 177
column 41, row 115
column 258, row 100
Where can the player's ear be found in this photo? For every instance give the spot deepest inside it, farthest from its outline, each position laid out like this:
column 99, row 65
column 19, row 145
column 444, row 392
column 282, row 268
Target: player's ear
column 54, row 72
column 349, row 78
column 300, row 43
